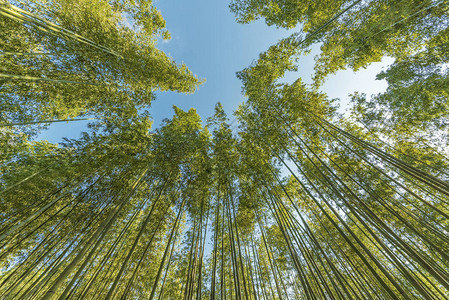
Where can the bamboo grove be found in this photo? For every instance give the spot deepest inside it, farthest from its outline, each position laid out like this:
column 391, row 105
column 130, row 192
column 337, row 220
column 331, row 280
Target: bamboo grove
column 294, row 201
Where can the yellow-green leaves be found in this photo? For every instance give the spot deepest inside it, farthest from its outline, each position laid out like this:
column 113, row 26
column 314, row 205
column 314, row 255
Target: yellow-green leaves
column 110, row 48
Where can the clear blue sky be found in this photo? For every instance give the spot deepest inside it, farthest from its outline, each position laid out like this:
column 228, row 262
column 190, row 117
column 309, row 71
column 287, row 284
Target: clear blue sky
column 207, row 39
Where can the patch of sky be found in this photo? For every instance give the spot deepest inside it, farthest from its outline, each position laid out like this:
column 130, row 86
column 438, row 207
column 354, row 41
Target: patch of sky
column 343, row 83
column 206, row 37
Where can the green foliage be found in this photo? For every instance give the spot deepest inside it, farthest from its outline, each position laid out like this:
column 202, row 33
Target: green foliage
column 300, row 203
column 286, row 14
column 76, row 58
column 353, row 33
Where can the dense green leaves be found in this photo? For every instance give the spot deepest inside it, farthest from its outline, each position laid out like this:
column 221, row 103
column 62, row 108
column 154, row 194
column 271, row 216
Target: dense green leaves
column 75, row 58
column 295, row 201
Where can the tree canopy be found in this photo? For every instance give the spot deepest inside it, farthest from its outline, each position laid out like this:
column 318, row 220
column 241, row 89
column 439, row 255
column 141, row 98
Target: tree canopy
column 290, row 200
